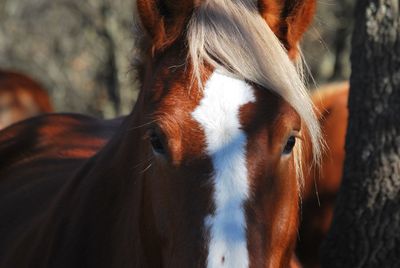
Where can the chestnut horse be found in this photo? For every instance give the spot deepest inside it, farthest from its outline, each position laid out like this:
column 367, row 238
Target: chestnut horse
column 20, row 98
column 322, row 186
column 206, row 169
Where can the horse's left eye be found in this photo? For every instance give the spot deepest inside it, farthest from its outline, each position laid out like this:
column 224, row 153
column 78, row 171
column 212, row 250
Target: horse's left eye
column 291, row 142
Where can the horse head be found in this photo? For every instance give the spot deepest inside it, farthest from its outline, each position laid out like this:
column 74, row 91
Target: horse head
column 224, row 110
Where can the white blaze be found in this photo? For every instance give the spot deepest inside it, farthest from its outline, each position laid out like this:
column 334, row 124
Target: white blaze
column 218, row 114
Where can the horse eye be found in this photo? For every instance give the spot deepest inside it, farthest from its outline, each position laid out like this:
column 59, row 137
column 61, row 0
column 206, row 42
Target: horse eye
column 289, row 145
column 156, row 143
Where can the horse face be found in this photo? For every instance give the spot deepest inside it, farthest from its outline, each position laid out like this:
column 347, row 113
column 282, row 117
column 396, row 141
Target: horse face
column 222, row 189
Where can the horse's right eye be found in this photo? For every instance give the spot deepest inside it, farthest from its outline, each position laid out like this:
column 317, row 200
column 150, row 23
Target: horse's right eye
column 156, row 143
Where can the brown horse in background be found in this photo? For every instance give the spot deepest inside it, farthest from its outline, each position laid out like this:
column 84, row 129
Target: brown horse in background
column 21, row 97
column 206, row 169
column 321, row 186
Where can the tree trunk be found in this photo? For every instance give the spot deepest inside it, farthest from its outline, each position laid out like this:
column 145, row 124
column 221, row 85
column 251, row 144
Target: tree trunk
column 366, row 226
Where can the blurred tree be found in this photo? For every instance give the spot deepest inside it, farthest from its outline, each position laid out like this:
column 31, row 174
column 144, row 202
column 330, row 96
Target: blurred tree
column 79, row 50
column 326, row 45
column 366, row 226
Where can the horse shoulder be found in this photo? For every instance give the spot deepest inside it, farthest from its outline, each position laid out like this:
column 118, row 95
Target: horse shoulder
column 332, row 103
column 321, row 185
column 37, row 156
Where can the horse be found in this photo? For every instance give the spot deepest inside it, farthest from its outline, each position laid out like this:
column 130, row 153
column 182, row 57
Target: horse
column 21, row 97
column 204, row 172
column 321, row 186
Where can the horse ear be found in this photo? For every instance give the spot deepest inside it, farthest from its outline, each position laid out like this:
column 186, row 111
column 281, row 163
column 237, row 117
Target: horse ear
column 288, row 19
column 164, row 20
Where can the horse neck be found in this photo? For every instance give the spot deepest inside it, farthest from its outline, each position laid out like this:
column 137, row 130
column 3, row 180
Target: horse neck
column 95, row 220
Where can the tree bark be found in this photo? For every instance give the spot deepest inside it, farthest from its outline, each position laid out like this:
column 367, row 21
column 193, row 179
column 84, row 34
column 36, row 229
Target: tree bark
column 366, row 225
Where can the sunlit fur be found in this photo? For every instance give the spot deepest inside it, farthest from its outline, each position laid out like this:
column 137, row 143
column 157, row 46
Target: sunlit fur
column 234, row 33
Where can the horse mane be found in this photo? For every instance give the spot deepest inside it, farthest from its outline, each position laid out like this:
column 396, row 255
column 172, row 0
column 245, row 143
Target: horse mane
column 232, row 36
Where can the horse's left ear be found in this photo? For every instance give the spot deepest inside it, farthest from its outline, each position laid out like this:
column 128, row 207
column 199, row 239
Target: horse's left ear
column 288, row 19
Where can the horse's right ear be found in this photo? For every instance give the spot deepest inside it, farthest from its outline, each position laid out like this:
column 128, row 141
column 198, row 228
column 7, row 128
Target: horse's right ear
column 164, row 20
